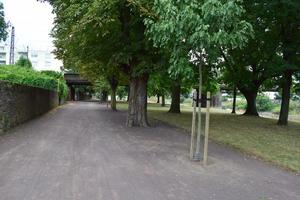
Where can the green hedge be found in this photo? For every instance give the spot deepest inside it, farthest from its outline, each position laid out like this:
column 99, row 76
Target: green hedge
column 47, row 80
column 62, row 87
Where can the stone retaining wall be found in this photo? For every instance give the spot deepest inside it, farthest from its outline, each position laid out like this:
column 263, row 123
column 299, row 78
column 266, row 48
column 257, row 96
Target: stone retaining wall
column 19, row 103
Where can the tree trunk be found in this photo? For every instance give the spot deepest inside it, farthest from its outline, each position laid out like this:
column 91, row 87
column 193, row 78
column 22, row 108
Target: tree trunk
column 286, row 93
column 163, row 100
column 137, row 105
column 104, row 95
column 113, row 101
column 175, row 95
column 158, row 99
column 250, row 96
column 202, row 100
column 128, row 93
column 234, row 100
column 113, row 82
column 216, row 100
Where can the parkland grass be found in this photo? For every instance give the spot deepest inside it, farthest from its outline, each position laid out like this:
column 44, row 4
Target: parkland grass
column 260, row 137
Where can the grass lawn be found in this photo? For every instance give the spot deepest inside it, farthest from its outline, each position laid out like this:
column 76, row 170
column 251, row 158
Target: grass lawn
column 260, row 137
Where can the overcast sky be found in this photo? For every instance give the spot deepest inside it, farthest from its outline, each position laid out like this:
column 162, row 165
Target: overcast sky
column 33, row 22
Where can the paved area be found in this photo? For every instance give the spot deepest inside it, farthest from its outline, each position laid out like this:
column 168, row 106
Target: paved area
column 84, row 151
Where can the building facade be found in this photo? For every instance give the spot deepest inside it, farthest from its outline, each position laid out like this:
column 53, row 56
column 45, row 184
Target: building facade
column 40, row 59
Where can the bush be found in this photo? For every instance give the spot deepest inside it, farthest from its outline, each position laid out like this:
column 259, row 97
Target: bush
column 241, row 104
column 26, row 76
column 24, row 62
column 264, row 103
column 294, row 107
column 62, row 85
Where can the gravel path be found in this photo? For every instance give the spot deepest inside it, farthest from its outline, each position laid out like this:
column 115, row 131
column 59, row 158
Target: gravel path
column 83, row 151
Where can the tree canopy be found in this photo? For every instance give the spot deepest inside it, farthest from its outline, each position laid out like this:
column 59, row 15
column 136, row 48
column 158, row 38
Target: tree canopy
column 3, row 24
column 246, row 44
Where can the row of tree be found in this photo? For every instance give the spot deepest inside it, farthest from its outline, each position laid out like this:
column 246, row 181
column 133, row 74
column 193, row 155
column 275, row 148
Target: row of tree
column 167, row 44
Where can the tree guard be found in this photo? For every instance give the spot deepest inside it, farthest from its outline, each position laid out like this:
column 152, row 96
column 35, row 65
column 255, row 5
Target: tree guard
column 199, row 154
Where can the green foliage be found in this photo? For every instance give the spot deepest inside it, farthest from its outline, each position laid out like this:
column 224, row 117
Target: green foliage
column 159, row 84
column 101, row 85
column 264, row 103
column 25, row 76
column 295, row 107
column 241, row 104
column 102, row 34
column 63, row 89
column 24, row 62
column 122, row 92
column 193, row 28
column 271, row 51
column 3, row 25
column 54, row 74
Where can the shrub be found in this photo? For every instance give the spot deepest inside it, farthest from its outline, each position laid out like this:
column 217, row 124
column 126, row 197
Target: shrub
column 30, row 77
column 241, row 104
column 25, row 76
column 294, row 107
column 62, row 85
column 24, row 62
column 264, row 103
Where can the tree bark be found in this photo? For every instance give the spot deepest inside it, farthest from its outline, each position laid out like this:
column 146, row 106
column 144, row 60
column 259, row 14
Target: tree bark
column 250, row 96
column 234, row 100
column 216, row 100
column 113, row 101
column 158, row 99
column 104, row 95
column 175, row 95
column 113, row 82
column 286, row 93
column 137, row 105
column 202, row 100
column 163, row 100
column 128, row 93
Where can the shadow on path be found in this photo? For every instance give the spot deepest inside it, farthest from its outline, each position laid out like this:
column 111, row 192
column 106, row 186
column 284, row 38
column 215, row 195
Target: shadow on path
column 84, row 151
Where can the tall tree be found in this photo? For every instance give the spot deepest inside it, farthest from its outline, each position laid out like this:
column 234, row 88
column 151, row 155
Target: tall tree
column 275, row 23
column 110, row 32
column 196, row 30
column 3, row 24
column 285, row 19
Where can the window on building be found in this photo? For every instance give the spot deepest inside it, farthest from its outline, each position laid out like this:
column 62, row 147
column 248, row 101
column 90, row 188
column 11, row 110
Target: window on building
column 3, row 56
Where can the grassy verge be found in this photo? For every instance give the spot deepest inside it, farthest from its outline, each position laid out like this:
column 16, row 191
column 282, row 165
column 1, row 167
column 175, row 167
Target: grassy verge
column 260, row 137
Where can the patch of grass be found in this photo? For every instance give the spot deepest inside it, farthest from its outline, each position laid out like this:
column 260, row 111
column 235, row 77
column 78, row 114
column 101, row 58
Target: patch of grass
column 260, row 137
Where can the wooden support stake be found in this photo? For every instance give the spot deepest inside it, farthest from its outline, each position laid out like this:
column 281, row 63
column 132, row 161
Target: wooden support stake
column 198, row 154
column 192, row 148
column 205, row 152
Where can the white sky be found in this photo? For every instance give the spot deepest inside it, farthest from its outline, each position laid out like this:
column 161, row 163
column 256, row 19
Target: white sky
column 33, row 22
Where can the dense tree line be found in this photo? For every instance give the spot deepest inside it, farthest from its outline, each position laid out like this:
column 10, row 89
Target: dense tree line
column 162, row 46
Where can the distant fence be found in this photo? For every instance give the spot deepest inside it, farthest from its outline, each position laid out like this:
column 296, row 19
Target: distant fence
column 19, row 103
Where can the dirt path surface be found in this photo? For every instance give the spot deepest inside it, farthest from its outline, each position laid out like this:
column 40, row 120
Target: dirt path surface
column 84, row 151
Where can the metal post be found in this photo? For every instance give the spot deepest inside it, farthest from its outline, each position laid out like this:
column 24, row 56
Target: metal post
column 198, row 155
column 12, row 47
column 28, row 52
column 192, row 148
column 206, row 129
